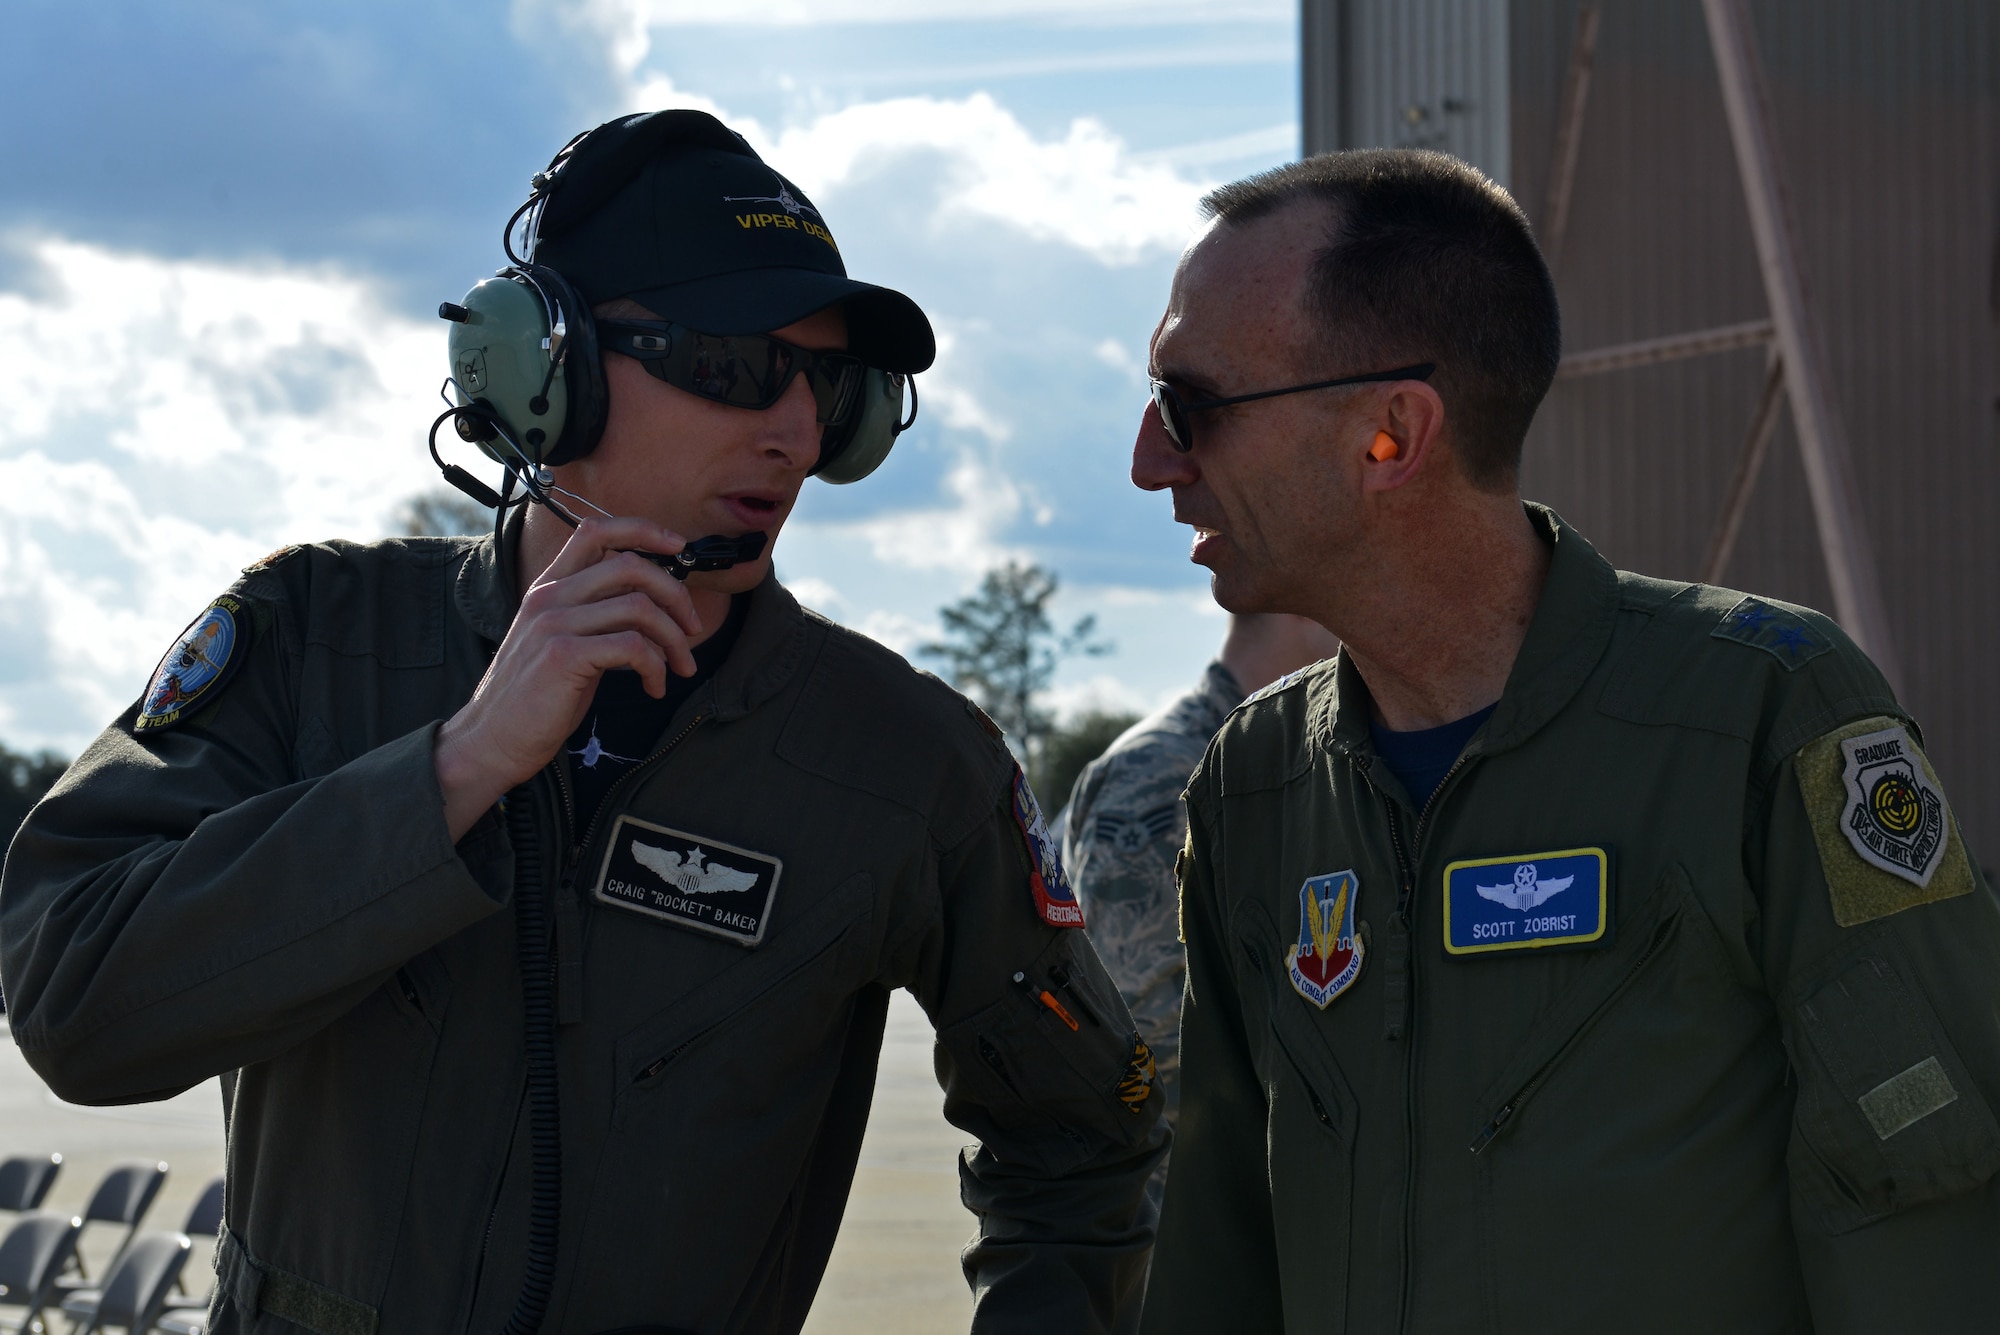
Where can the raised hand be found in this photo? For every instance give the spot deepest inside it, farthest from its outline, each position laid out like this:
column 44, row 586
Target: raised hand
column 597, row 606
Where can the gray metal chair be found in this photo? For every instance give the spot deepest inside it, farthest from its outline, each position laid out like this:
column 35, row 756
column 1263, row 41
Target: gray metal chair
column 31, row 1256
column 122, row 1197
column 25, row 1181
column 183, row 1323
column 135, row 1291
column 204, row 1220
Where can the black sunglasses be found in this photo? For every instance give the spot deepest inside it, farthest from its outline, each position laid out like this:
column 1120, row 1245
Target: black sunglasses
column 741, row 370
column 1180, row 431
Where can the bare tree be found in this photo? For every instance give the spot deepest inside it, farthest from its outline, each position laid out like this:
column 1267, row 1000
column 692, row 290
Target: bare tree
column 1001, row 649
column 442, row 512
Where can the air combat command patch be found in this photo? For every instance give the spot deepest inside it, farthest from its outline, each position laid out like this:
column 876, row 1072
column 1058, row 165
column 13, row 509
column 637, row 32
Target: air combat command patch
column 1527, row 901
column 1886, row 839
column 1327, row 958
column 1055, row 900
column 196, row 669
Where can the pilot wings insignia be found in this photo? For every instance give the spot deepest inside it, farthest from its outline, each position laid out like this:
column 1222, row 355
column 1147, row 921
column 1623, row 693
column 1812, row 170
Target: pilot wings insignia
column 1527, row 891
column 693, row 872
column 689, row 880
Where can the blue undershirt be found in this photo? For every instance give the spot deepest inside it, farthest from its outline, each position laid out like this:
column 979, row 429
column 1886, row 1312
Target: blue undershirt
column 1421, row 759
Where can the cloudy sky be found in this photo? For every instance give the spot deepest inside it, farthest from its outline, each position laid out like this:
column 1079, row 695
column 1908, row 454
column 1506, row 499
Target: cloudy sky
column 227, row 225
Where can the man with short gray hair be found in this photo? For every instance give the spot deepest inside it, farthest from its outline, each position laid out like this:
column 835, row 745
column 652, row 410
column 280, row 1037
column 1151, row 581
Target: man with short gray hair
column 1578, row 951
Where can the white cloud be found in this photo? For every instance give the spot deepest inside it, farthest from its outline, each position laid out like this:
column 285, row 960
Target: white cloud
column 168, row 423
column 642, row 14
column 1086, row 189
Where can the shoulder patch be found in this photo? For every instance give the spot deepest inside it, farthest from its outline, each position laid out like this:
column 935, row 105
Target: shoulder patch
column 1784, row 635
column 1887, row 841
column 1273, row 688
column 200, row 664
column 270, row 559
column 1055, row 900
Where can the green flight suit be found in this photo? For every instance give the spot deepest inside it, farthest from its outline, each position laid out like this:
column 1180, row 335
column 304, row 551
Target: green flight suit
column 268, row 888
column 1760, row 1100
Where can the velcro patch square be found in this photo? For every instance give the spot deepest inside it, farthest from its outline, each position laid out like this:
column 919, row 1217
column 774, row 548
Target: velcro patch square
column 1886, row 838
column 688, row 880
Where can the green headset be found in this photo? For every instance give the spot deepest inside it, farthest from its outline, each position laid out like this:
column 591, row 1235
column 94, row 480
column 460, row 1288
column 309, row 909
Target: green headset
column 527, row 376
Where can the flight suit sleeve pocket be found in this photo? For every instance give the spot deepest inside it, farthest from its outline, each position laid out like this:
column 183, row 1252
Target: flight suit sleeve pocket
column 1887, row 1116
column 1051, row 1091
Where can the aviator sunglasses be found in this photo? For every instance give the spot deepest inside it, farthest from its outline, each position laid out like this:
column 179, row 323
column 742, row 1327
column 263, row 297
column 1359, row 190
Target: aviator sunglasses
column 1180, row 429
column 741, row 370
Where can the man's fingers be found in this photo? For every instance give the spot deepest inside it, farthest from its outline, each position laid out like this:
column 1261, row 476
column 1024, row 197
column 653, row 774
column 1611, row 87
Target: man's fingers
column 633, row 612
column 595, row 537
column 615, row 574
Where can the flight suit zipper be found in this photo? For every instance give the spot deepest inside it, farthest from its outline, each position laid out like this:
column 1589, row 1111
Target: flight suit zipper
column 1400, row 1008
column 566, row 959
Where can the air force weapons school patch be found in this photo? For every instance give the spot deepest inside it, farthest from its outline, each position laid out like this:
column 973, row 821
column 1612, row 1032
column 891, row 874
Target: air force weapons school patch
column 688, row 880
column 196, row 669
column 1055, row 900
column 1327, row 958
column 1886, row 839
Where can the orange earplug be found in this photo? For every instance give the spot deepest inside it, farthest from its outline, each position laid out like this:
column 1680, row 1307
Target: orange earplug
column 1385, row 448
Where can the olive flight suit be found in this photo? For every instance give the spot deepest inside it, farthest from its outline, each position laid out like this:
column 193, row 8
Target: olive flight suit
column 1676, row 1008
column 267, row 887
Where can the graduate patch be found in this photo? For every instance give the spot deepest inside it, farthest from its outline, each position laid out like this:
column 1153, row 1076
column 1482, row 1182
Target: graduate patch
column 1055, row 901
column 1526, row 901
column 689, row 880
column 196, row 669
column 1886, row 839
column 1327, row 958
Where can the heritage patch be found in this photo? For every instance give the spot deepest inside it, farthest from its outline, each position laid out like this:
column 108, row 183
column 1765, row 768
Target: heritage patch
column 1786, row 636
column 1055, row 899
column 1328, row 956
column 689, row 880
column 1886, row 838
column 1141, row 1075
column 1527, row 901
column 204, row 657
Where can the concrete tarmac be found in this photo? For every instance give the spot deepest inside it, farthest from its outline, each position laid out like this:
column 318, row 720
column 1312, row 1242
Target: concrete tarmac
column 894, row 1267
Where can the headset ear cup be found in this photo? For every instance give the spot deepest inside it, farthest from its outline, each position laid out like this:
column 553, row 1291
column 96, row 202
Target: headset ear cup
column 583, row 372
column 865, row 440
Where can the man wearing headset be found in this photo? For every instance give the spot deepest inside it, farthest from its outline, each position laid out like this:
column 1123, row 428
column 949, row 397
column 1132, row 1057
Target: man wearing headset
column 540, row 908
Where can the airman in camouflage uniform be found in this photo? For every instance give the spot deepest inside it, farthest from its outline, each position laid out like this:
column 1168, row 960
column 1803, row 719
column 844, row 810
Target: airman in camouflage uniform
column 1123, row 826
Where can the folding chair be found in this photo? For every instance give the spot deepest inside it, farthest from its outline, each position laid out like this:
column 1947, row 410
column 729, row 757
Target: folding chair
column 136, row 1288
column 204, row 1220
column 25, row 1182
column 122, row 1197
column 31, row 1256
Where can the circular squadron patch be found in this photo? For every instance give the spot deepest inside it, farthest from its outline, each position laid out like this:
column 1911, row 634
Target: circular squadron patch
column 196, row 668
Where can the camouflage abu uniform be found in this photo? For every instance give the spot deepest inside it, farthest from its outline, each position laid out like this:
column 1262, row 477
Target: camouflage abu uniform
column 1123, row 826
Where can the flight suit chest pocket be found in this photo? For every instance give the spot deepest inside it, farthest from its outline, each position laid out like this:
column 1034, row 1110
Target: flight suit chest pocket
column 816, row 951
column 1311, row 1115
column 1887, row 1116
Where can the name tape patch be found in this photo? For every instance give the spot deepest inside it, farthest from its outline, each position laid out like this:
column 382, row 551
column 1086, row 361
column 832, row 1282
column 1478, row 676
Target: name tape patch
column 1526, row 901
column 200, row 664
column 689, row 880
column 1055, row 900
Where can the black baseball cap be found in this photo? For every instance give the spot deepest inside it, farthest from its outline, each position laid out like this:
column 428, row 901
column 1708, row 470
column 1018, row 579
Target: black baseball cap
column 676, row 211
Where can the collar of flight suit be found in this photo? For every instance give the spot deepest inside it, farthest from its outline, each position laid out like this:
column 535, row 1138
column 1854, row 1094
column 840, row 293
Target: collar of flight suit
column 1569, row 633
column 769, row 649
